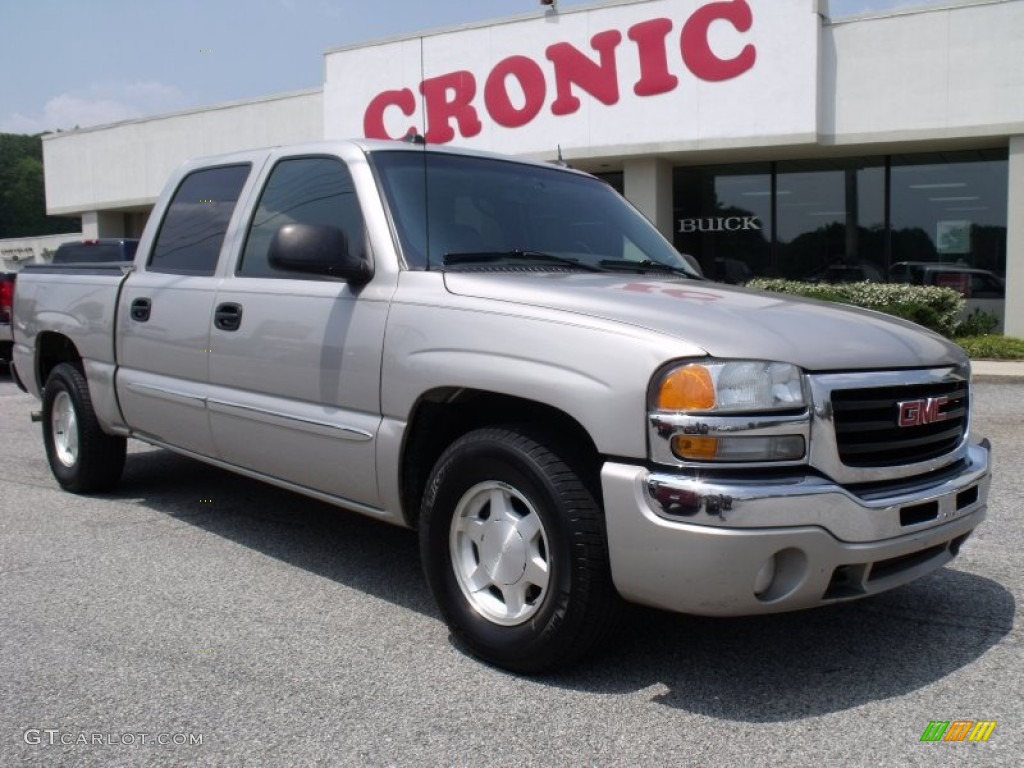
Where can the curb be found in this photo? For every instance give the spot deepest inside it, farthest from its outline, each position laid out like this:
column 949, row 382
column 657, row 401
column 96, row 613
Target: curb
column 997, row 378
column 1008, row 371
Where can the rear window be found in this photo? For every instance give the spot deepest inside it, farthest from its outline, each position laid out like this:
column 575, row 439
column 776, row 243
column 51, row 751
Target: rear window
column 196, row 221
column 84, row 253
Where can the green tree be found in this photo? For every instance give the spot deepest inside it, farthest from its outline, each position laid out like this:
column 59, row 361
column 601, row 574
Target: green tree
column 22, row 194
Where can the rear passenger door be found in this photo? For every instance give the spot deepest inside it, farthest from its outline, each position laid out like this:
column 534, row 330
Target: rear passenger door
column 295, row 375
column 165, row 312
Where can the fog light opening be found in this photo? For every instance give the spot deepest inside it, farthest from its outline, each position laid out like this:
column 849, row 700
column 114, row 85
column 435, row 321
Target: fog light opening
column 781, row 575
column 765, row 577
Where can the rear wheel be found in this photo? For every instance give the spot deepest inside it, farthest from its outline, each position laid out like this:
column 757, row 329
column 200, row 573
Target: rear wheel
column 82, row 457
column 514, row 551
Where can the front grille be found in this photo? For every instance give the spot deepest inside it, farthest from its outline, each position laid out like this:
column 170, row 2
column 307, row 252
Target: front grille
column 867, row 427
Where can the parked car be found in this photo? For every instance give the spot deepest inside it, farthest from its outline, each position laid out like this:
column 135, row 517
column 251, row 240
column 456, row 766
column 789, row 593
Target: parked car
column 6, row 303
column 972, row 283
column 728, row 270
column 510, row 358
column 848, row 272
column 102, row 250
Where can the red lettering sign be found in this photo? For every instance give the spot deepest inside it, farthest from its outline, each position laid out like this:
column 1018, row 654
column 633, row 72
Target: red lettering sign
column 449, row 99
column 373, row 119
column 696, row 49
column 649, row 37
column 571, row 66
column 530, row 77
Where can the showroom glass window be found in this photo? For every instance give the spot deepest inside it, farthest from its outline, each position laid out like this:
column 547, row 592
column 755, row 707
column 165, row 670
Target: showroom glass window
column 723, row 218
column 844, row 219
column 950, row 208
column 830, row 219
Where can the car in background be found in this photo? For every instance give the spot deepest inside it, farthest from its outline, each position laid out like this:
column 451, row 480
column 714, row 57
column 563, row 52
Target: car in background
column 971, row 282
column 102, row 250
column 6, row 302
column 731, row 271
column 982, row 289
column 848, row 272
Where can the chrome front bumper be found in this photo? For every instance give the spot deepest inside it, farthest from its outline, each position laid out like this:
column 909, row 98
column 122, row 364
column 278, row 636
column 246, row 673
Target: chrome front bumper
column 714, row 547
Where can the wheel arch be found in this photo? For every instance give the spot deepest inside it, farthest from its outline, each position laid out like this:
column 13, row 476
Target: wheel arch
column 52, row 349
column 442, row 415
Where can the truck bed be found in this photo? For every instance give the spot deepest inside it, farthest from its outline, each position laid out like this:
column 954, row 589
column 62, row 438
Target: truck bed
column 77, row 300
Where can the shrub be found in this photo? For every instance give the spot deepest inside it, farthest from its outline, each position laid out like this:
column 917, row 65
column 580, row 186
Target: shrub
column 936, row 308
column 992, row 347
column 978, row 323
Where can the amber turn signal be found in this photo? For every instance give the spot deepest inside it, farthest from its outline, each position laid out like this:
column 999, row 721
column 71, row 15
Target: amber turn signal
column 695, row 448
column 689, row 388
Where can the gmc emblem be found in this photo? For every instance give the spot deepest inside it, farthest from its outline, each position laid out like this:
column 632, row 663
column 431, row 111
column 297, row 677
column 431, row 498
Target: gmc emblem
column 914, row 413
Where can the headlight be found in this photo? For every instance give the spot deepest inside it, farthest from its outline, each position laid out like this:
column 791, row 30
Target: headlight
column 736, row 385
column 749, row 412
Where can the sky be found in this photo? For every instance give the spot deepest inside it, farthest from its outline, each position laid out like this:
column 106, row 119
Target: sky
column 76, row 63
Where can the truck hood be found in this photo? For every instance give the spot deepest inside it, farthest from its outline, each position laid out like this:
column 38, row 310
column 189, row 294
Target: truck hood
column 725, row 321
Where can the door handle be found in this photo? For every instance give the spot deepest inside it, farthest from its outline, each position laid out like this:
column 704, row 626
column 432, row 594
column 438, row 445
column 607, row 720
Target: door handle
column 228, row 317
column 140, row 310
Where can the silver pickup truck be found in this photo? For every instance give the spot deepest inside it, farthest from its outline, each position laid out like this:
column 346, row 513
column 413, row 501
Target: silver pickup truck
column 510, row 358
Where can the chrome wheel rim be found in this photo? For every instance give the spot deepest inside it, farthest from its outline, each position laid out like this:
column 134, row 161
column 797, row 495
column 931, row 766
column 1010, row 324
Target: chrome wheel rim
column 500, row 553
column 64, row 429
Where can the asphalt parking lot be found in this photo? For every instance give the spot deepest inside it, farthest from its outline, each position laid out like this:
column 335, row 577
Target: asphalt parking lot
column 199, row 618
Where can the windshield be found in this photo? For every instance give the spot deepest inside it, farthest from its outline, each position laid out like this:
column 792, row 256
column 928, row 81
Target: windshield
column 464, row 210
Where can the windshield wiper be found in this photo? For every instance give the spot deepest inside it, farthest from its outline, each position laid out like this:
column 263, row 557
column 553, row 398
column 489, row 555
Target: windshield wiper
column 647, row 265
column 483, row 257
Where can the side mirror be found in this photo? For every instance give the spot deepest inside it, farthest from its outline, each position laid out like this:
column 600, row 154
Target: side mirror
column 692, row 262
column 317, row 249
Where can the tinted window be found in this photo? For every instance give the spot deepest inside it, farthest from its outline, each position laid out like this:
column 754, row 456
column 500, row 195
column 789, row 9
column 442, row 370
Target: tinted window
column 307, row 190
column 193, row 230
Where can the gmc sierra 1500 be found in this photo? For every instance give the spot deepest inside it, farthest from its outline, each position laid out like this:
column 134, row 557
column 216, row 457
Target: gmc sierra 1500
column 510, row 358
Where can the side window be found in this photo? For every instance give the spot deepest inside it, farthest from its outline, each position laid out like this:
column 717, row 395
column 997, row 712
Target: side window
column 193, row 229
column 305, row 190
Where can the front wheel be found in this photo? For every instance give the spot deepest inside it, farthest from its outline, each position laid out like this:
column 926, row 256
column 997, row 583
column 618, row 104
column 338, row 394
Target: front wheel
column 514, row 551
column 82, row 457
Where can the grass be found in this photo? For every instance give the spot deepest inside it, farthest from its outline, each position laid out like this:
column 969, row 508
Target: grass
column 992, row 347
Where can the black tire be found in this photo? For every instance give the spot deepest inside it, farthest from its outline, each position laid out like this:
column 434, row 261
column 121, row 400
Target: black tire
column 528, row 623
column 82, row 457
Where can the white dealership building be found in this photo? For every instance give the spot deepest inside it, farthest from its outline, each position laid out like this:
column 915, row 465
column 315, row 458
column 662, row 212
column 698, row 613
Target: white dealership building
column 763, row 136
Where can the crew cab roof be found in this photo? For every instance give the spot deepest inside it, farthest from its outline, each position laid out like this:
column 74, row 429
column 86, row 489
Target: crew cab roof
column 345, row 147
